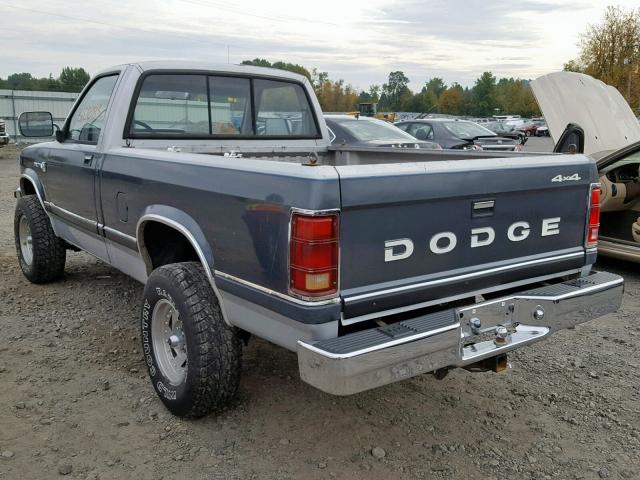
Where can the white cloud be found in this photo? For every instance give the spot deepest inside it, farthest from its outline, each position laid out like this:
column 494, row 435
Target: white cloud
column 358, row 40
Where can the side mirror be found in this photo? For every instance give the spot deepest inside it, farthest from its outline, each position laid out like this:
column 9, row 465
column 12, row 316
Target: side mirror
column 35, row 124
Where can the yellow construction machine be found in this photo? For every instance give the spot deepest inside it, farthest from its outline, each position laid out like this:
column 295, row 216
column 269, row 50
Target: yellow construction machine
column 370, row 109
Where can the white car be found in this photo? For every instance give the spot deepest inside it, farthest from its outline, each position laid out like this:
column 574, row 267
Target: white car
column 542, row 131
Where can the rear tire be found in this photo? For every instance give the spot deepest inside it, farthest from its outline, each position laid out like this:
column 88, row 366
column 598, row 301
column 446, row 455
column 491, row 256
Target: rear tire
column 194, row 358
column 41, row 254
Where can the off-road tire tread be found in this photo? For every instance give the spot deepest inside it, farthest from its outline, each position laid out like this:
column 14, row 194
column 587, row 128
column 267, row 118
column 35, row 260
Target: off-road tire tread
column 49, row 251
column 218, row 360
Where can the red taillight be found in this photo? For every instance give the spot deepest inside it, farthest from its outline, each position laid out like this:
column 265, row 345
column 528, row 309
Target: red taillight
column 594, row 217
column 313, row 258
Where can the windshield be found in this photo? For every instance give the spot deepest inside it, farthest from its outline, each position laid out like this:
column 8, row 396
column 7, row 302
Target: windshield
column 467, row 130
column 366, row 130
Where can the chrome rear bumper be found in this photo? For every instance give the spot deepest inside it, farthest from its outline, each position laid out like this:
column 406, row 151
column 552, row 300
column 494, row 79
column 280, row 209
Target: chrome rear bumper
column 457, row 337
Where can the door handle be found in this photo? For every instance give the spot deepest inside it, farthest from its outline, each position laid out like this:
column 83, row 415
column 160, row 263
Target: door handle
column 88, row 158
column 41, row 165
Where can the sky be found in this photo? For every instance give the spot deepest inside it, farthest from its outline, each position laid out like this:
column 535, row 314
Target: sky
column 360, row 41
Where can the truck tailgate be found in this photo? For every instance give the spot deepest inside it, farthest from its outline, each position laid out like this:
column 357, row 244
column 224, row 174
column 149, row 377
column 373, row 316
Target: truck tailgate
column 446, row 211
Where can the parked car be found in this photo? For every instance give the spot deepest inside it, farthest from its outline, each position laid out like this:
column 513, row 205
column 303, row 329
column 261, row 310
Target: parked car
column 542, row 130
column 587, row 116
column 458, row 134
column 4, row 138
column 528, row 129
column 506, row 130
column 217, row 187
column 370, row 132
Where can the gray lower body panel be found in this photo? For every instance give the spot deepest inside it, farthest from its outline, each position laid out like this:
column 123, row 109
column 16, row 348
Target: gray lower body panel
column 456, row 337
column 273, row 326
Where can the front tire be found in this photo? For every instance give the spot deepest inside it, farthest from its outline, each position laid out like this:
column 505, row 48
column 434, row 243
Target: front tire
column 41, row 254
column 194, row 358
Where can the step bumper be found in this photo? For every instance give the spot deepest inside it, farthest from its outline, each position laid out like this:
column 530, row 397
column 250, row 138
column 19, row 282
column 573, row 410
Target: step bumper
column 455, row 338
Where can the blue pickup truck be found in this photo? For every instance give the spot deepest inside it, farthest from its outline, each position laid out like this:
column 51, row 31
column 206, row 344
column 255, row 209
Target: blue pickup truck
column 217, row 187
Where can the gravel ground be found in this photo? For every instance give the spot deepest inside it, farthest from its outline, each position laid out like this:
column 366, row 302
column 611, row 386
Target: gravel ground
column 76, row 400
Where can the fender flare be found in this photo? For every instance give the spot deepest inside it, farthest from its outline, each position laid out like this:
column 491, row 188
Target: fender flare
column 29, row 175
column 189, row 228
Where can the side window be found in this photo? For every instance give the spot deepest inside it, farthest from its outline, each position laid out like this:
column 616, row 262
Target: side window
column 422, row 131
column 88, row 119
column 230, row 106
column 282, row 109
column 172, row 105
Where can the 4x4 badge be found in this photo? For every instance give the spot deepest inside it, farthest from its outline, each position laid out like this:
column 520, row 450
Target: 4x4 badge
column 571, row 178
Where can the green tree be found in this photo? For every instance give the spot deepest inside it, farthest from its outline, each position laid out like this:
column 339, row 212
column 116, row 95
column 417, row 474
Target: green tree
column 514, row 96
column 610, row 51
column 20, row 81
column 318, row 79
column 26, row 81
column 394, row 89
column 73, row 79
column 280, row 65
column 257, row 62
column 424, row 102
column 484, row 92
column 573, row 66
column 365, row 97
column 374, row 92
column 436, row 87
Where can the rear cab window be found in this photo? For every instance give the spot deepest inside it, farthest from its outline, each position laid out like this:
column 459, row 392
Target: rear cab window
column 283, row 109
column 172, row 105
column 188, row 105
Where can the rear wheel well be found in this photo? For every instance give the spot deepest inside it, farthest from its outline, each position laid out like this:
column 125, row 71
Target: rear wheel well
column 166, row 245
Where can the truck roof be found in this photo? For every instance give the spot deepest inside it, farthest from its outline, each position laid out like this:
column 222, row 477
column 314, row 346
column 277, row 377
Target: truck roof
column 208, row 67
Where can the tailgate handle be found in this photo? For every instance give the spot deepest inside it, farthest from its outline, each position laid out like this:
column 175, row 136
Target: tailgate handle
column 482, row 208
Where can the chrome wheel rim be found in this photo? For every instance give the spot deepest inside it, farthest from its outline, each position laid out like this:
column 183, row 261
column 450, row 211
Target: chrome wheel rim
column 26, row 240
column 169, row 342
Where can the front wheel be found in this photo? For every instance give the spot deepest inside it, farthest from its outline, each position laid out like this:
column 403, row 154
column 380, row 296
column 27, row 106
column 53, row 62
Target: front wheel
column 194, row 358
column 41, row 254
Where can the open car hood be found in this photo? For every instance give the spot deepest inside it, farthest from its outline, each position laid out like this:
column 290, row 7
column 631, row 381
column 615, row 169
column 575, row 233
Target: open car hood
column 599, row 109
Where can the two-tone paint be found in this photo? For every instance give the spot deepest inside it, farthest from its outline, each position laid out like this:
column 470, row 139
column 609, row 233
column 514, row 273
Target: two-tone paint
column 235, row 211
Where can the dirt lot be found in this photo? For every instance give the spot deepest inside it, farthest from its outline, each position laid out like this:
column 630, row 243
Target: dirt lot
column 76, row 397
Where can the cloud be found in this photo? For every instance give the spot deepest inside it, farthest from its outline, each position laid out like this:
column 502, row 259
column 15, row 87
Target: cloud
column 360, row 41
